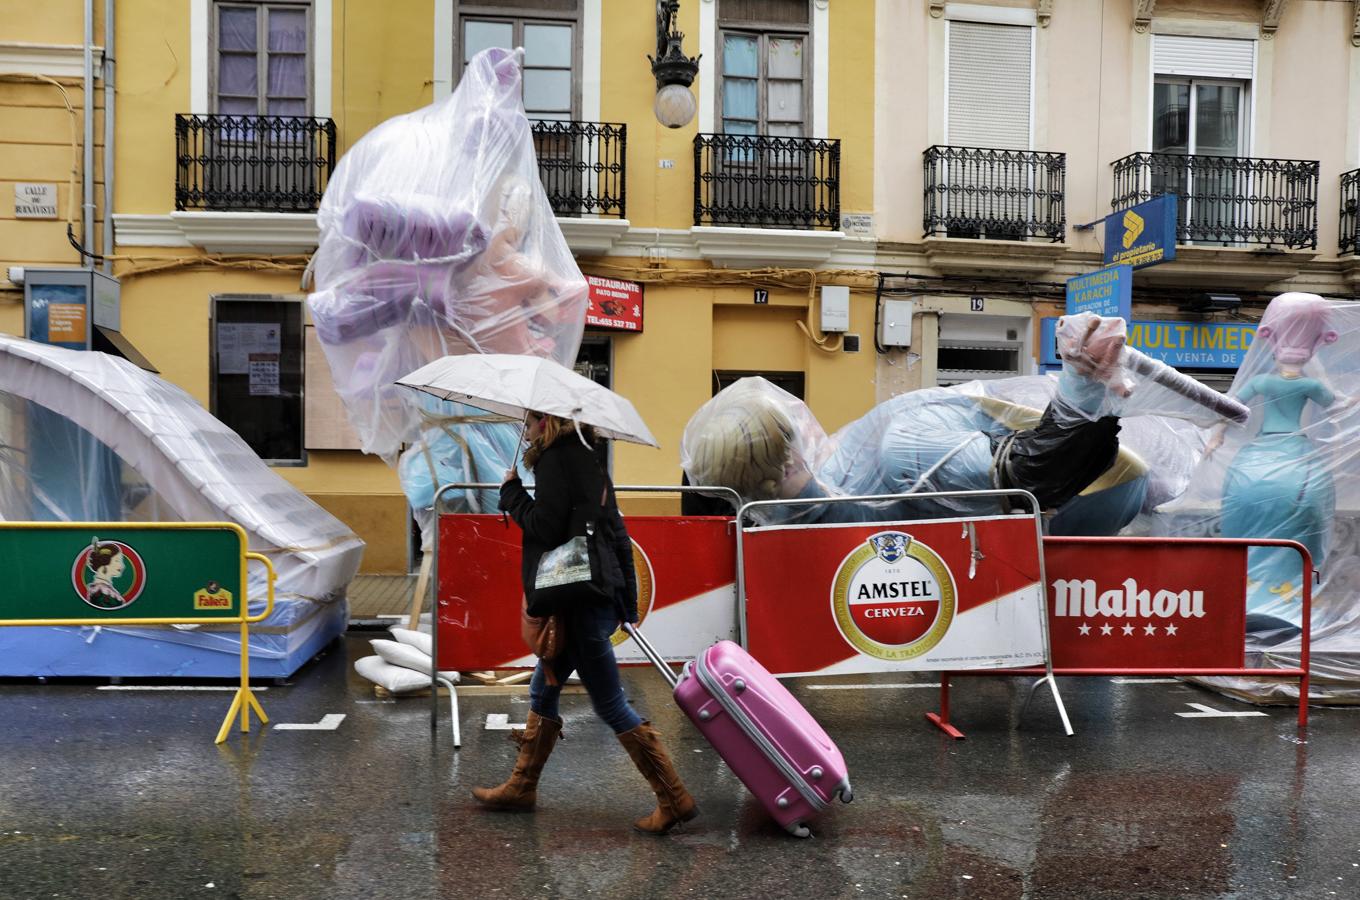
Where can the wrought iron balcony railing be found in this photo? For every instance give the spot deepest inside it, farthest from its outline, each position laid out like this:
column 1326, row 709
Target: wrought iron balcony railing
column 1349, row 241
column 259, row 163
column 584, row 167
column 1226, row 200
column 763, row 181
column 1009, row 195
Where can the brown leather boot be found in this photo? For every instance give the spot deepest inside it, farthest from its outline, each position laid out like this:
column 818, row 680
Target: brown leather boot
column 520, row 792
column 673, row 803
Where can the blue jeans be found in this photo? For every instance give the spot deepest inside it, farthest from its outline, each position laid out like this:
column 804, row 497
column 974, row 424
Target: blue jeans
column 589, row 653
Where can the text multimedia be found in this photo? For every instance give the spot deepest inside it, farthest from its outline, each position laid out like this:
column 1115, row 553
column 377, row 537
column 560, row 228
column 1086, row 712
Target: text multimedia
column 1080, row 597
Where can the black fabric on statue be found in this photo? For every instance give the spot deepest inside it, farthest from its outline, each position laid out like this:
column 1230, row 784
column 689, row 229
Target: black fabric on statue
column 568, row 482
column 1054, row 461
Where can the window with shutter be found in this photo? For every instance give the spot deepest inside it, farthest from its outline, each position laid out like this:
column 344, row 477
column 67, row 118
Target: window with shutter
column 989, row 85
column 1201, row 108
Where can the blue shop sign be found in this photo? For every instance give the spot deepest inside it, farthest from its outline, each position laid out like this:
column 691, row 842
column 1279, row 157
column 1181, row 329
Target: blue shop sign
column 1198, row 345
column 1142, row 235
column 1106, row 292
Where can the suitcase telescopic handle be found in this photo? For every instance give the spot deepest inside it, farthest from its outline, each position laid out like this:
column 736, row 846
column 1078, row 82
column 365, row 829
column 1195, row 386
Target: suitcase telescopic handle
column 652, row 656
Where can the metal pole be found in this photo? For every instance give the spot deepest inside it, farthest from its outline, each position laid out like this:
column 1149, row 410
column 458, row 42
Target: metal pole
column 108, row 136
column 87, row 183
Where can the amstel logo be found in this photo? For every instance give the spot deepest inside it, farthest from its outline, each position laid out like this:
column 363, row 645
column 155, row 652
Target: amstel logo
column 893, row 597
column 1133, row 227
column 108, row 575
column 646, row 583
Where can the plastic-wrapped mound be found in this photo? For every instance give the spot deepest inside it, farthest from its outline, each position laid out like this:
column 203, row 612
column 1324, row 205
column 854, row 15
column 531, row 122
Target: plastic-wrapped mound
column 1056, row 437
column 90, row 437
column 1292, row 473
column 437, row 239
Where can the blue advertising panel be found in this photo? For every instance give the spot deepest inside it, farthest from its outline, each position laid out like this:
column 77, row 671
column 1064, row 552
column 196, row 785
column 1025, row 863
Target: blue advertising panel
column 1142, row 235
column 1201, row 345
column 58, row 314
column 1105, row 292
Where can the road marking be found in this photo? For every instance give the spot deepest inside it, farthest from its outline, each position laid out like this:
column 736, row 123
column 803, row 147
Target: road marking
column 171, row 687
column 500, row 722
column 1145, row 681
column 874, row 687
column 329, row 722
column 1206, row 712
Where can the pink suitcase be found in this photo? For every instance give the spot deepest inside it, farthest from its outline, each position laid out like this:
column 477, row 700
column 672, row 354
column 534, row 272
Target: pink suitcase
column 760, row 730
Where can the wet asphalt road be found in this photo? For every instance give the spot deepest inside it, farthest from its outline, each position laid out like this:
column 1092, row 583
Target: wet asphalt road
column 116, row 794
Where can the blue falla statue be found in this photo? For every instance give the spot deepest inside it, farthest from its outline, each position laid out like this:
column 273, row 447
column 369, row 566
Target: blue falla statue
column 765, row 444
column 1279, row 485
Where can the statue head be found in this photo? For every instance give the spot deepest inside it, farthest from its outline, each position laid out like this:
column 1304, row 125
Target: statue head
column 746, row 439
column 1295, row 325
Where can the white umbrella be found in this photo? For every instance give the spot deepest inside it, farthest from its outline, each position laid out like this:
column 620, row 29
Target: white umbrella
column 512, row 385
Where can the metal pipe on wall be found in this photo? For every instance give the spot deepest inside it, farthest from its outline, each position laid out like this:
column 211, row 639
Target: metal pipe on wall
column 108, row 136
column 87, row 183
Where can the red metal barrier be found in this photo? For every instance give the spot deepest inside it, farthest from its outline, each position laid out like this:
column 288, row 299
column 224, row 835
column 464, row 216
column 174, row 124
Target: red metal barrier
column 1151, row 606
column 685, row 567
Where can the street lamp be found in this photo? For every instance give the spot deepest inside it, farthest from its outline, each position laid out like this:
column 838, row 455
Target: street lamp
column 674, row 71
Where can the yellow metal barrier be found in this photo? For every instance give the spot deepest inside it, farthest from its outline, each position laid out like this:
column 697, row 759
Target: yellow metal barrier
column 65, row 573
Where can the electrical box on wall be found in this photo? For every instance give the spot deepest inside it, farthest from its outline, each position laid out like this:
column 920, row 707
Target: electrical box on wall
column 894, row 323
column 835, row 308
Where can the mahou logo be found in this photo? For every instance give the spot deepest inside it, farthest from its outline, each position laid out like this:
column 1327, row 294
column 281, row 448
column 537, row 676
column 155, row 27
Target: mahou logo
column 893, row 597
column 1083, row 597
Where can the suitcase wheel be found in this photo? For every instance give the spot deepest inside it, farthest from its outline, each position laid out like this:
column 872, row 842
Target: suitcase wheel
column 798, row 830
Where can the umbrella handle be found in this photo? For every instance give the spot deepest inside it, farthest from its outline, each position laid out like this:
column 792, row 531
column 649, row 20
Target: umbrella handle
column 523, row 426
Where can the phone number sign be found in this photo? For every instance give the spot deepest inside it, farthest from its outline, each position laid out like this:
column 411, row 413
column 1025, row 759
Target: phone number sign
column 615, row 305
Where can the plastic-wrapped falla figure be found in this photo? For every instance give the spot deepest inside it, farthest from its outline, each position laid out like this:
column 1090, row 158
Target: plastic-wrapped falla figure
column 766, row 445
column 1278, row 485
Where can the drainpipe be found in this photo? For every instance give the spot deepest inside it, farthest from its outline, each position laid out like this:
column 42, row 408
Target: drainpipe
column 108, row 136
column 87, row 186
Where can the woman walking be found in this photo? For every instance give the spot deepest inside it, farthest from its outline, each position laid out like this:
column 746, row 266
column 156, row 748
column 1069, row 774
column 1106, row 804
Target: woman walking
column 568, row 481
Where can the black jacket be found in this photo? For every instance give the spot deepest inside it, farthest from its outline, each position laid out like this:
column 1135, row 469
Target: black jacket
column 568, row 482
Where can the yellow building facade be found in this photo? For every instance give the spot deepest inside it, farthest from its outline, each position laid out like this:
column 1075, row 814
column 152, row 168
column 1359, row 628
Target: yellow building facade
column 960, row 158
column 190, row 240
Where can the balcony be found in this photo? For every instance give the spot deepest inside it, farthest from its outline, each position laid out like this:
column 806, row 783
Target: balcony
column 1225, row 200
column 1009, row 205
column 277, row 164
column 1349, row 234
column 1001, row 195
column 761, row 181
column 583, row 167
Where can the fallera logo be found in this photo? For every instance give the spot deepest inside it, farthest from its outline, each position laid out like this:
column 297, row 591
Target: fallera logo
column 1133, row 227
column 1082, row 597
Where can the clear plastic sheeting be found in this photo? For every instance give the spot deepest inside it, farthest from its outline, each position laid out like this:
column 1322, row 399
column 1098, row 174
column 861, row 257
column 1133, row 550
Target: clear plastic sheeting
column 1060, row 438
column 437, row 238
column 91, row 437
column 755, row 438
column 457, row 445
column 1102, row 377
column 1293, row 473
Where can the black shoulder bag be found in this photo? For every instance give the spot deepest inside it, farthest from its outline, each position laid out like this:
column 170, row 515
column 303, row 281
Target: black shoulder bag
column 570, row 575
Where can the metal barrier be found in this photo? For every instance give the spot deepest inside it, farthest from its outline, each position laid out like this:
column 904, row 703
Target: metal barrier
column 1301, row 672
column 52, row 568
column 434, row 604
column 1035, row 511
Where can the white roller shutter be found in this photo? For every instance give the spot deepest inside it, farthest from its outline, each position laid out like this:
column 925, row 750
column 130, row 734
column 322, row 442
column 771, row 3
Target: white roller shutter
column 1203, row 57
column 989, row 85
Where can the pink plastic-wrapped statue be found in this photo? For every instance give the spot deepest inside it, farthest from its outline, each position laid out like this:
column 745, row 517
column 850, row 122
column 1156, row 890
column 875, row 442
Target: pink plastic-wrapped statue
column 1279, row 485
column 436, row 239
